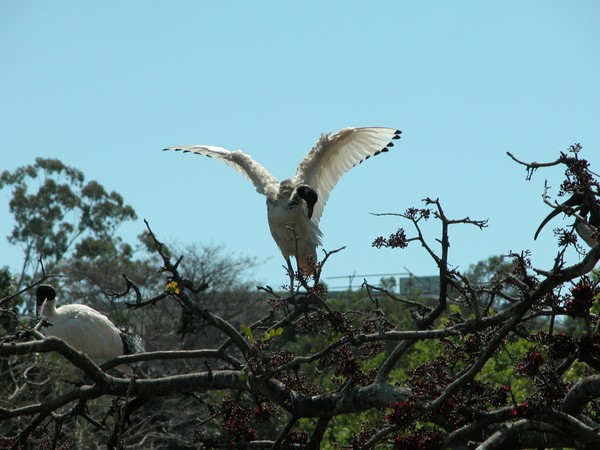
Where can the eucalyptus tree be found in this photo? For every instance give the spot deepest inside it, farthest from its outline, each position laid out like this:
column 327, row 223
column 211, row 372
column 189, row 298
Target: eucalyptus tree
column 57, row 213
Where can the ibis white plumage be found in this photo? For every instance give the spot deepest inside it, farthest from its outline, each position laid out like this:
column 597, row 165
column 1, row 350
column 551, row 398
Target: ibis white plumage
column 85, row 329
column 295, row 205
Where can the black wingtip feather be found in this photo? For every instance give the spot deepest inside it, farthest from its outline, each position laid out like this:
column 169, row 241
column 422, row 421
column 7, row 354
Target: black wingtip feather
column 397, row 135
column 132, row 343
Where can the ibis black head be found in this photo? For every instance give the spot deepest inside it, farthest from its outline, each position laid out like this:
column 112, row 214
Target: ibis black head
column 44, row 292
column 309, row 195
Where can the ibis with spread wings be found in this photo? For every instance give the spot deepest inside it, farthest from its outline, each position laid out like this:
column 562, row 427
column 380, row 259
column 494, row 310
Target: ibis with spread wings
column 295, row 205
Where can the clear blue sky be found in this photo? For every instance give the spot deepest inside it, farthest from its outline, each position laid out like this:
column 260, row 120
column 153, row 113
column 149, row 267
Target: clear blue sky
column 104, row 86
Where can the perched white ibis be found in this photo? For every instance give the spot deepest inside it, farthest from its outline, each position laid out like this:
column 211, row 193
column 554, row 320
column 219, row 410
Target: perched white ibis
column 587, row 207
column 85, row 329
column 295, row 205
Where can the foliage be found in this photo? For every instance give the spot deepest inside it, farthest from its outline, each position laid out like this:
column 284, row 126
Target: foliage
column 64, row 214
column 489, row 362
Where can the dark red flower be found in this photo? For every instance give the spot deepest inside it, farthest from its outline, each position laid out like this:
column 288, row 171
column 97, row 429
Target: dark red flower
column 500, row 395
column 520, row 409
column 531, row 363
column 561, row 345
column 582, row 296
column 400, row 414
column 396, row 240
column 422, row 440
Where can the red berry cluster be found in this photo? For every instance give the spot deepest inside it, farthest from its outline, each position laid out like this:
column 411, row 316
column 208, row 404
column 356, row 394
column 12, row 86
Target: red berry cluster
column 582, row 297
column 264, row 412
column 319, row 289
column 473, row 344
column 560, row 345
column 278, row 304
column 396, row 240
column 500, row 395
column 578, row 175
column 198, row 434
column 292, row 380
column 6, row 441
column 427, row 382
column 371, row 349
column 419, row 440
column 430, row 379
column 278, row 358
column 551, row 388
column 417, row 214
column 297, row 437
column 520, row 409
column 462, row 408
column 236, row 420
column 531, row 364
column 318, row 320
column 338, row 321
column 46, row 442
column 400, row 415
column 566, row 237
column 347, row 367
column 359, row 440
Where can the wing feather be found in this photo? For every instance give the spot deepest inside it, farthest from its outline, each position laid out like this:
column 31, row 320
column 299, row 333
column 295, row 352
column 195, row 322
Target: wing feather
column 335, row 154
column 254, row 172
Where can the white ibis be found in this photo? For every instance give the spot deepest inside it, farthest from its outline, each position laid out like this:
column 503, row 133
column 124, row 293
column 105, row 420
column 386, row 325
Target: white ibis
column 295, row 205
column 85, row 329
column 584, row 204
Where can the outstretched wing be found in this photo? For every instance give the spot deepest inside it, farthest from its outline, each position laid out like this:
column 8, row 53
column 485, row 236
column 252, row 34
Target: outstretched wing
column 240, row 161
column 335, row 154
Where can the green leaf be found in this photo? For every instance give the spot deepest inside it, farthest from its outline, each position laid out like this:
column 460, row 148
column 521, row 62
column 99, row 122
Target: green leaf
column 248, row 332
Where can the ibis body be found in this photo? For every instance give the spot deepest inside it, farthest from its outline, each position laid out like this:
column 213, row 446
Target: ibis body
column 85, row 329
column 295, row 205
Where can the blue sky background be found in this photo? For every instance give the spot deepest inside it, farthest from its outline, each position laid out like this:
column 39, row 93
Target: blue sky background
column 104, row 86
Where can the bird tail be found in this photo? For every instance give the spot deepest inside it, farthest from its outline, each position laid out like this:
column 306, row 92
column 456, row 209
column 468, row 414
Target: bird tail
column 132, row 343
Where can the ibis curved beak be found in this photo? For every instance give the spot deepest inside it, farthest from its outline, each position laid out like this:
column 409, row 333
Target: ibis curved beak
column 576, row 200
column 309, row 195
